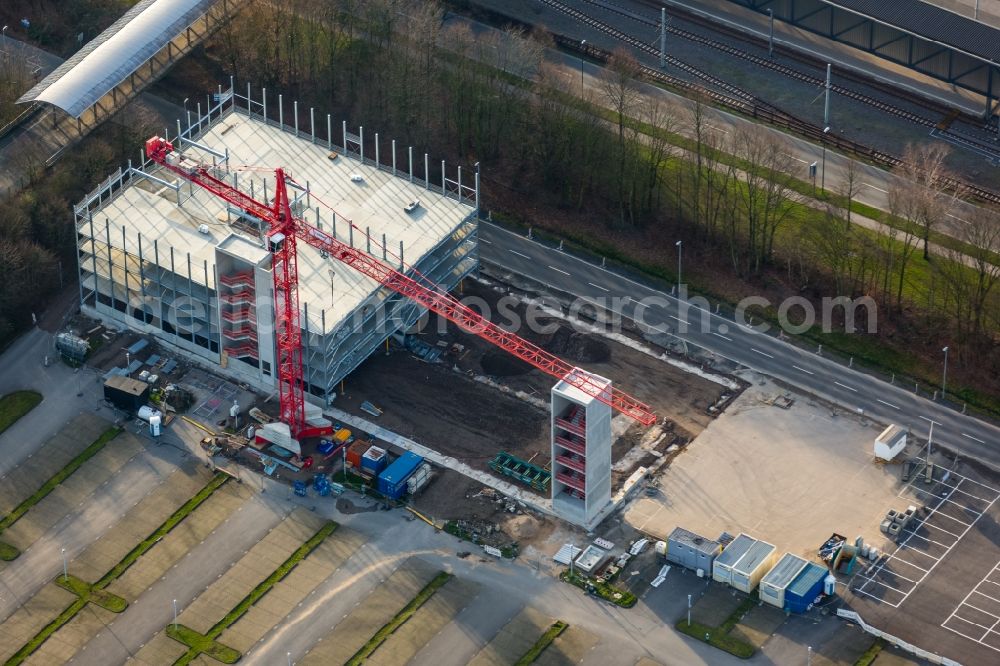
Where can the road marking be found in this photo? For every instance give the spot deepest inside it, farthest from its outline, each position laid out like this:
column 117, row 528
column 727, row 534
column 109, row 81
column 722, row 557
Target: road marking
column 887, row 404
column 928, row 420
column 519, row 254
column 849, row 388
column 558, row 270
column 598, row 286
column 678, row 319
column 797, row 159
column 808, row 372
column 875, row 188
column 637, row 303
column 483, row 240
column 956, row 217
column 761, row 353
column 717, row 129
column 975, row 439
column 720, row 335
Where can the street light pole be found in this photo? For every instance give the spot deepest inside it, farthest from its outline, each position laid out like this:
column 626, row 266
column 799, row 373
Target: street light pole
column 289, row 655
column 583, row 49
column 679, row 248
column 689, row 610
column 822, row 178
column 770, row 36
column 944, row 378
column 175, row 614
column 65, row 569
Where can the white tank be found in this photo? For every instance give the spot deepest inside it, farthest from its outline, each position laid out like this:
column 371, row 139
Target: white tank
column 146, row 412
column 830, row 584
column 154, row 425
column 250, row 432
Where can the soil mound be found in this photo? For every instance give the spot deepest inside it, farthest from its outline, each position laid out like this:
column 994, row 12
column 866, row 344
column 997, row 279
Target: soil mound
column 579, row 347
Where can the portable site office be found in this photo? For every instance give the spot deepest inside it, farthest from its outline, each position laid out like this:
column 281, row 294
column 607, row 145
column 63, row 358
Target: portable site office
column 722, row 567
column 778, row 579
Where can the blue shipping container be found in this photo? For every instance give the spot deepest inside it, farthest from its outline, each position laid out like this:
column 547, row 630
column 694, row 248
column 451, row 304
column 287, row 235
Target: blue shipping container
column 805, row 588
column 392, row 482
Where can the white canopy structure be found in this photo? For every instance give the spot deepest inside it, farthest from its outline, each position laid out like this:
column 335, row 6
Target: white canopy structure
column 114, row 55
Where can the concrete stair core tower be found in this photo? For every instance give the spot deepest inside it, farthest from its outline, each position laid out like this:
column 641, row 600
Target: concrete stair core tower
column 581, row 453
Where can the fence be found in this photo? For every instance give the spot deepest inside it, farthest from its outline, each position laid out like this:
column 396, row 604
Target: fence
column 892, row 640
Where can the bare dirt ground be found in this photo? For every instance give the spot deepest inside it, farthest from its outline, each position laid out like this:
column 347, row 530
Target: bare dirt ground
column 471, row 420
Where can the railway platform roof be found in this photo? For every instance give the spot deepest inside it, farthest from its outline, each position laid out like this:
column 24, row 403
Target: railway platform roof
column 930, row 22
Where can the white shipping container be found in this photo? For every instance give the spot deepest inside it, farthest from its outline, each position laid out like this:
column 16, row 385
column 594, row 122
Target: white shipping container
column 418, row 479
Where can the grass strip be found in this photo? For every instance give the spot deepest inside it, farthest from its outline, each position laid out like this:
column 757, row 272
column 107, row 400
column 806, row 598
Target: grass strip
column 543, row 642
column 263, row 588
column 9, row 552
column 203, row 644
column 70, row 612
column 617, row 596
column 88, row 592
column 396, row 622
column 719, row 636
column 871, row 653
column 15, row 405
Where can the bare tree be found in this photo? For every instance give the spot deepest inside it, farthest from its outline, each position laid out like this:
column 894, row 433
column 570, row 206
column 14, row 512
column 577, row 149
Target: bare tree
column 618, row 84
column 924, row 166
column 900, row 240
column 849, row 186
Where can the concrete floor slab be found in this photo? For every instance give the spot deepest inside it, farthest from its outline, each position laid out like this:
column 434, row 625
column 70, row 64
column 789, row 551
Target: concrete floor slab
column 160, row 650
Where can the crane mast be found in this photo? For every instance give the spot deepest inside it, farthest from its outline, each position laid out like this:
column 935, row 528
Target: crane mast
column 285, row 229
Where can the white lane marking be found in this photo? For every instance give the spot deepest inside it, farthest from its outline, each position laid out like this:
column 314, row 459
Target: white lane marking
column 598, row 286
column 849, row 388
column 797, row 159
column 887, row 404
column 637, row 303
column 483, row 240
column 761, row 353
column 720, row 335
column 956, row 217
column 717, row 129
column 519, row 254
column 875, row 188
column 975, row 439
column 558, row 270
column 808, row 372
column 928, row 420
column 678, row 319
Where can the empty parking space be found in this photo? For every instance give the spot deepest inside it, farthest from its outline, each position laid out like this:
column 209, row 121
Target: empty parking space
column 977, row 617
column 947, row 508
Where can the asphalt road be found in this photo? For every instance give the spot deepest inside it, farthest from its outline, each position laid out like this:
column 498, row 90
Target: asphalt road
column 738, row 342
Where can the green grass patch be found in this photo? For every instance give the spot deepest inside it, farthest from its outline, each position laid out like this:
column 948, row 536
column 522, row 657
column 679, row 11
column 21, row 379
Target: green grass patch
column 88, row 592
column 15, row 405
column 871, row 653
column 543, row 642
column 600, row 589
column 719, row 636
column 8, row 551
column 203, row 644
column 262, row 588
column 96, row 593
column 396, row 622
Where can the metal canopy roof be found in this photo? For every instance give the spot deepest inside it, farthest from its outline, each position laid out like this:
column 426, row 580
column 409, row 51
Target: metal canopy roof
column 931, row 23
column 112, row 56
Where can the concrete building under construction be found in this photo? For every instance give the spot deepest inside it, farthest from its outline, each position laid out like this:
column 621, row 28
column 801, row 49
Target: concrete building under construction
column 177, row 263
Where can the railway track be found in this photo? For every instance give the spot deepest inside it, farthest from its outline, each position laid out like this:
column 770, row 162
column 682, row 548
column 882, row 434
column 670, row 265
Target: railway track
column 742, row 101
column 934, row 123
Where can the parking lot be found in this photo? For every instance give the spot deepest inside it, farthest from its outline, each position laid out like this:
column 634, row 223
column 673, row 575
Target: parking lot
column 939, row 585
column 946, row 517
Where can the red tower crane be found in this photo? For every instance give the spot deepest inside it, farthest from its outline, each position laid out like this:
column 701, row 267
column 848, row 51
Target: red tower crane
column 284, row 232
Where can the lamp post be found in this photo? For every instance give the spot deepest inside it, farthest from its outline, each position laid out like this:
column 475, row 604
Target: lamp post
column 770, row 35
column 822, row 177
column 289, row 655
column 679, row 245
column 944, row 377
column 65, row 569
column 175, row 614
column 187, row 113
column 583, row 47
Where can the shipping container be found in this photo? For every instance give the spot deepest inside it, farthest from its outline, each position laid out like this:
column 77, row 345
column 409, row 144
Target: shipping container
column 125, row 393
column 374, row 460
column 808, row 585
column 690, row 550
column 752, row 566
column 392, row 481
column 722, row 567
column 342, row 435
column 355, row 451
column 777, row 580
